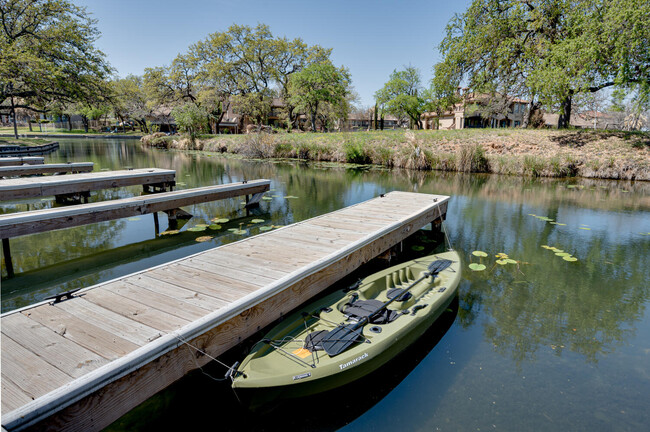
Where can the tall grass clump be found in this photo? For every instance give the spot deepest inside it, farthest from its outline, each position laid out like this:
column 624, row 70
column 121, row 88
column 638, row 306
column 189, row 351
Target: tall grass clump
column 471, row 158
column 258, row 145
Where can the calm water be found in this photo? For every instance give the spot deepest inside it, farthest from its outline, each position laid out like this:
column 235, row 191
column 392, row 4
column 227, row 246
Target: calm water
column 543, row 345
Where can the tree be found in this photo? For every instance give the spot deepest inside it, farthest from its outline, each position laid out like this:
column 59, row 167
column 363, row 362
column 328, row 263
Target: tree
column 48, row 55
column 548, row 49
column 190, row 118
column 317, row 85
column 403, row 95
column 129, row 101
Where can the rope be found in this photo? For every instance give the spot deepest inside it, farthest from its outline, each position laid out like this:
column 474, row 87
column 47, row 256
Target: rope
column 444, row 230
column 189, row 345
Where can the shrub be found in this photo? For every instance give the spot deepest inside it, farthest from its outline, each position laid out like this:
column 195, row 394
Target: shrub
column 471, row 158
column 355, row 153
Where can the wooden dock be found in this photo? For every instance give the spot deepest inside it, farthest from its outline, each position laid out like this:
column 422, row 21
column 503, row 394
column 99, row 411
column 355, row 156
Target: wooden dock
column 25, row 160
column 36, row 221
column 13, row 189
column 62, row 168
column 81, row 363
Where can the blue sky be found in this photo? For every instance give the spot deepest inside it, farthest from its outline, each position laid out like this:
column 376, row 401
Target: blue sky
column 371, row 38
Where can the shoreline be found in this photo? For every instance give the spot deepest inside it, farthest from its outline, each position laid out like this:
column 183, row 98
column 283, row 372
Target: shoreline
column 613, row 155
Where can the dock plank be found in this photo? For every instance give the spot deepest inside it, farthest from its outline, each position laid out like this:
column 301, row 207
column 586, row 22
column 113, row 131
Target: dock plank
column 90, row 336
column 33, row 375
column 21, row 160
column 205, row 282
column 55, row 349
column 184, row 293
column 135, row 310
column 12, row 396
column 123, row 327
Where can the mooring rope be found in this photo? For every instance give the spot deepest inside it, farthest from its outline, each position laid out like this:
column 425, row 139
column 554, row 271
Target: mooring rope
column 189, row 345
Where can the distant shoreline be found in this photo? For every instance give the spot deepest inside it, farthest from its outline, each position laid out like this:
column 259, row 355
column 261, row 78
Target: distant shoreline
column 536, row 153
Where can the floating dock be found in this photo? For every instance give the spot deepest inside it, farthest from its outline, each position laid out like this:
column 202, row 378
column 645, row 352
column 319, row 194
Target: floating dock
column 61, row 168
column 19, row 188
column 81, row 363
column 26, row 160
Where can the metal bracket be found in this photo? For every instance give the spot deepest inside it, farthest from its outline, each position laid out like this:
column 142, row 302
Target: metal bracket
column 61, row 296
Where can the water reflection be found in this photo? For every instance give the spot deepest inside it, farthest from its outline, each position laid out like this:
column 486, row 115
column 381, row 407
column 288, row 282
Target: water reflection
column 538, row 319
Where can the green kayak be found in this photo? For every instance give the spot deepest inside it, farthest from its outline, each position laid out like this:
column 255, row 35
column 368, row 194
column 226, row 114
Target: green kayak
column 349, row 333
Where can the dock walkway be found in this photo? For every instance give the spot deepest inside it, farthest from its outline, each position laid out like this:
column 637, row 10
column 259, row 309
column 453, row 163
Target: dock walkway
column 13, row 189
column 60, row 168
column 25, row 160
column 81, row 363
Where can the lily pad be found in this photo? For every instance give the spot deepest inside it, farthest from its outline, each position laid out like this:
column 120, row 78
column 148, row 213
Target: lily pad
column 570, row 258
column 502, row 255
column 556, row 250
column 134, row 218
column 169, row 232
column 477, row 267
column 479, row 253
column 510, row 261
column 417, row 248
column 563, row 254
column 220, row 220
column 290, row 197
column 266, row 228
column 267, row 198
column 197, row 228
column 547, row 247
column 202, row 225
column 203, row 239
column 585, row 228
column 239, row 231
column 214, row 227
column 502, row 262
column 256, row 221
column 233, row 229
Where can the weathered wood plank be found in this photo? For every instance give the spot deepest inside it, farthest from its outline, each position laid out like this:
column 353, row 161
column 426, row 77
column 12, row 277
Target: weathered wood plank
column 55, row 349
column 92, row 337
column 218, row 286
column 134, row 310
column 26, row 170
column 12, row 396
column 217, row 270
column 228, row 262
column 33, row 375
column 115, row 323
column 162, row 302
column 31, row 222
column 186, row 294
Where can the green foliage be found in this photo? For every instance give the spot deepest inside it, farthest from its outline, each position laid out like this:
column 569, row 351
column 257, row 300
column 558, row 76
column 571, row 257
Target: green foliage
column 547, row 49
column 320, row 86
column 403, row 95
column 48, row 55
column 190, row 118
column 356, row 153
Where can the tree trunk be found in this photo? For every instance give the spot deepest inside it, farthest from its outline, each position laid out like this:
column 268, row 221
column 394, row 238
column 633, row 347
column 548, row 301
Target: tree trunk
column 69, row 122
column 564, row 120
column 13, row 114
column 29, row 122
column 84, row 119
column 381, row 122
column 313, row 121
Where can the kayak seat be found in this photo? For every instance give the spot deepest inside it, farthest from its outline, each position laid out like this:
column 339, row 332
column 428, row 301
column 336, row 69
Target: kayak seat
column 314, row 340
column 364, row 308
column 401, row 294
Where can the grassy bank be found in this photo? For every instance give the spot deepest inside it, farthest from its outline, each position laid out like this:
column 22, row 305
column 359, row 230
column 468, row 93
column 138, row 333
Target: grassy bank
column 63, row 132
column 539, row 153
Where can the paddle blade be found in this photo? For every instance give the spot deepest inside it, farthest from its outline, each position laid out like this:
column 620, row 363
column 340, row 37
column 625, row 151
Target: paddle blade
column 438, row 265
column 339, row 339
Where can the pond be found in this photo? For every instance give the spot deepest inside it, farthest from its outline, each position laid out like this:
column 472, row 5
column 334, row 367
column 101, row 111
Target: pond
column 544, row 344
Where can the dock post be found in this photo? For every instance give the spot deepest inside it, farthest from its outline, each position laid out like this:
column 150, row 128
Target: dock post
column 7, row 253
column 156, row 225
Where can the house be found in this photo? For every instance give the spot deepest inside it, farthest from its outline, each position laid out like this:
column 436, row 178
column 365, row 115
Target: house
column 470, row 113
